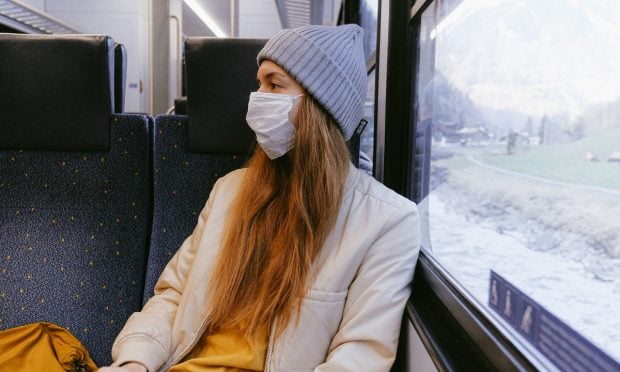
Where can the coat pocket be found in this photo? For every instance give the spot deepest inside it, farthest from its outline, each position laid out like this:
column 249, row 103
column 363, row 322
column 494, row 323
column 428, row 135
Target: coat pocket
column 304, row 345
column 316, row 295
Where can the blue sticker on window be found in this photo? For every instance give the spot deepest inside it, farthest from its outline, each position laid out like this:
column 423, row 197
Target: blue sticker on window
column 562, row 345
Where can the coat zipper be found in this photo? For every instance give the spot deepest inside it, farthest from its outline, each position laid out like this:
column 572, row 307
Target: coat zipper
column 189, row 347
column 270, row 346
column 202, row 329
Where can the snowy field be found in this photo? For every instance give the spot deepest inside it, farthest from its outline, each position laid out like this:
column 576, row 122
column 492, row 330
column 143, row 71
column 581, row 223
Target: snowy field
column 534, row 235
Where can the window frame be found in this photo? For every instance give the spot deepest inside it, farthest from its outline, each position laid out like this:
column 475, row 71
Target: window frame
column 455, row 332
column 350, row 13
column 453, row 329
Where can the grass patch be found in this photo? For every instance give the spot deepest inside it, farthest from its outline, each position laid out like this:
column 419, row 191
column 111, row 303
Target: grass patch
column 565, row 162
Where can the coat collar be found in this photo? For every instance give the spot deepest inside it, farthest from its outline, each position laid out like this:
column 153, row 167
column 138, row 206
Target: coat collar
column 352, row 177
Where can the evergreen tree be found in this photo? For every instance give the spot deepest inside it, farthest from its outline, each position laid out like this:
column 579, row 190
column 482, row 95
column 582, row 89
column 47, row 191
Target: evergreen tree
column 542, row 130
column 529, row 126
column 579, row 129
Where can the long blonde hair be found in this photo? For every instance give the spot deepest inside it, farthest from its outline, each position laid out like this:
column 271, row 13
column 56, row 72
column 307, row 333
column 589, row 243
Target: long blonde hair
column 278, row 223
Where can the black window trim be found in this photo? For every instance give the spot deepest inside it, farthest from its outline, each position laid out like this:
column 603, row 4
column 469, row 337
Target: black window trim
column 418, row 7
column 371, row 63
column 350, row 13
column 457, row 334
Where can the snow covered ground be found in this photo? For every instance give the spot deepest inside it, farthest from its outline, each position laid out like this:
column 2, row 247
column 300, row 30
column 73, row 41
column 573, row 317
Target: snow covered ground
column 474, row 228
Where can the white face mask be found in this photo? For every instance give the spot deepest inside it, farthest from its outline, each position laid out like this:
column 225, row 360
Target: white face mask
column 268, row 116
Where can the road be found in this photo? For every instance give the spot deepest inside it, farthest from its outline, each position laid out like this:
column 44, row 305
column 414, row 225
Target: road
column 472, row 159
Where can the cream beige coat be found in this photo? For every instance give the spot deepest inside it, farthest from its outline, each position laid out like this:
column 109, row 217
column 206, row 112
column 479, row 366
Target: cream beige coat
column 351, row 316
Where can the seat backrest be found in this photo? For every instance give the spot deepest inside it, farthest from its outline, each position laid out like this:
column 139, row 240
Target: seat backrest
column 74, row 210
column 180, row 106
column 182, row 183
column 45, row 81
column 207, row 60
column 191, row 152
column 221, row 73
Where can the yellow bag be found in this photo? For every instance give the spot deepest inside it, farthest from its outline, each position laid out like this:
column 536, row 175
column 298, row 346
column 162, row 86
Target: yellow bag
column 42, row 347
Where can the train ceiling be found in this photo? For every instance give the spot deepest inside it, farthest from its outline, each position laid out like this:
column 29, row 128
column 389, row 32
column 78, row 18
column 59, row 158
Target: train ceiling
column 25, row 18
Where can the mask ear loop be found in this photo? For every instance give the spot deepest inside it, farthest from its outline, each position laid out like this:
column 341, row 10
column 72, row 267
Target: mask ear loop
column 293, row 107
column 295, row 98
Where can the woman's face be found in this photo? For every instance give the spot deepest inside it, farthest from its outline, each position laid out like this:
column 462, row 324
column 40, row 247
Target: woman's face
column 271, row 78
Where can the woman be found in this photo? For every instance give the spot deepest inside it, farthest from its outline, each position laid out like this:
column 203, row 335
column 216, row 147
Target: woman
column 299, row 261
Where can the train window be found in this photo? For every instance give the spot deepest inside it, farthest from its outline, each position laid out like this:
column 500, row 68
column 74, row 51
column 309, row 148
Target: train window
column 518, row 104
column 368, row 12
column 367, row 138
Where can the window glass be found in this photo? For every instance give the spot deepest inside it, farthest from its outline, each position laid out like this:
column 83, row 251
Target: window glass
column 518, row 103
column 368, row 21
column 368, row 135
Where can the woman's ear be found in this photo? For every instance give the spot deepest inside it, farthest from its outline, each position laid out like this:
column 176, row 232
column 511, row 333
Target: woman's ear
column 293, row 115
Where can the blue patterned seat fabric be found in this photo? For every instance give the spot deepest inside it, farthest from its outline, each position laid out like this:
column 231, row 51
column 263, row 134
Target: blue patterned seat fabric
column 182, row 183
column 73, row 236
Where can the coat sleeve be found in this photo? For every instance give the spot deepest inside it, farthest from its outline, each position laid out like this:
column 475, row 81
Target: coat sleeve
column 146, row 336
column 370, row 327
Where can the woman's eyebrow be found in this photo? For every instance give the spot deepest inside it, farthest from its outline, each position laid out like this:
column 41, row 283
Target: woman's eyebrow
column 271, row 74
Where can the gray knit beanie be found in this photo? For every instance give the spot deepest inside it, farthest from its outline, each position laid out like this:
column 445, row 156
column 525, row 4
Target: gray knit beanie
column 328, row 61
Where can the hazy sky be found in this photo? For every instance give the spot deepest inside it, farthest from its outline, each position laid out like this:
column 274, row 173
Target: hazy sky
column 533, row 56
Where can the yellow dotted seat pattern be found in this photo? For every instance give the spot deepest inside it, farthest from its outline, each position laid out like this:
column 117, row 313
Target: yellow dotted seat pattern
column 74, row 230
column 182, row 182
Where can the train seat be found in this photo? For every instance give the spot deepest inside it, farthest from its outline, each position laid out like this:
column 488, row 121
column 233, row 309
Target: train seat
column 74, row 190
column 120, row 77
column 191, row 152
column 180, row 106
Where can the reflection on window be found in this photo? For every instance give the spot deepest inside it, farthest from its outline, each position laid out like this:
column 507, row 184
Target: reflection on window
column 368, row 21
column 520, row 104
column 368, row 135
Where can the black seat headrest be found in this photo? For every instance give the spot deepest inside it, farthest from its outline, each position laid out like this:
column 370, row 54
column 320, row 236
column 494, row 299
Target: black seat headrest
column 56, row 92
column 120, row 76
column 180, row 106
column 221, row 73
